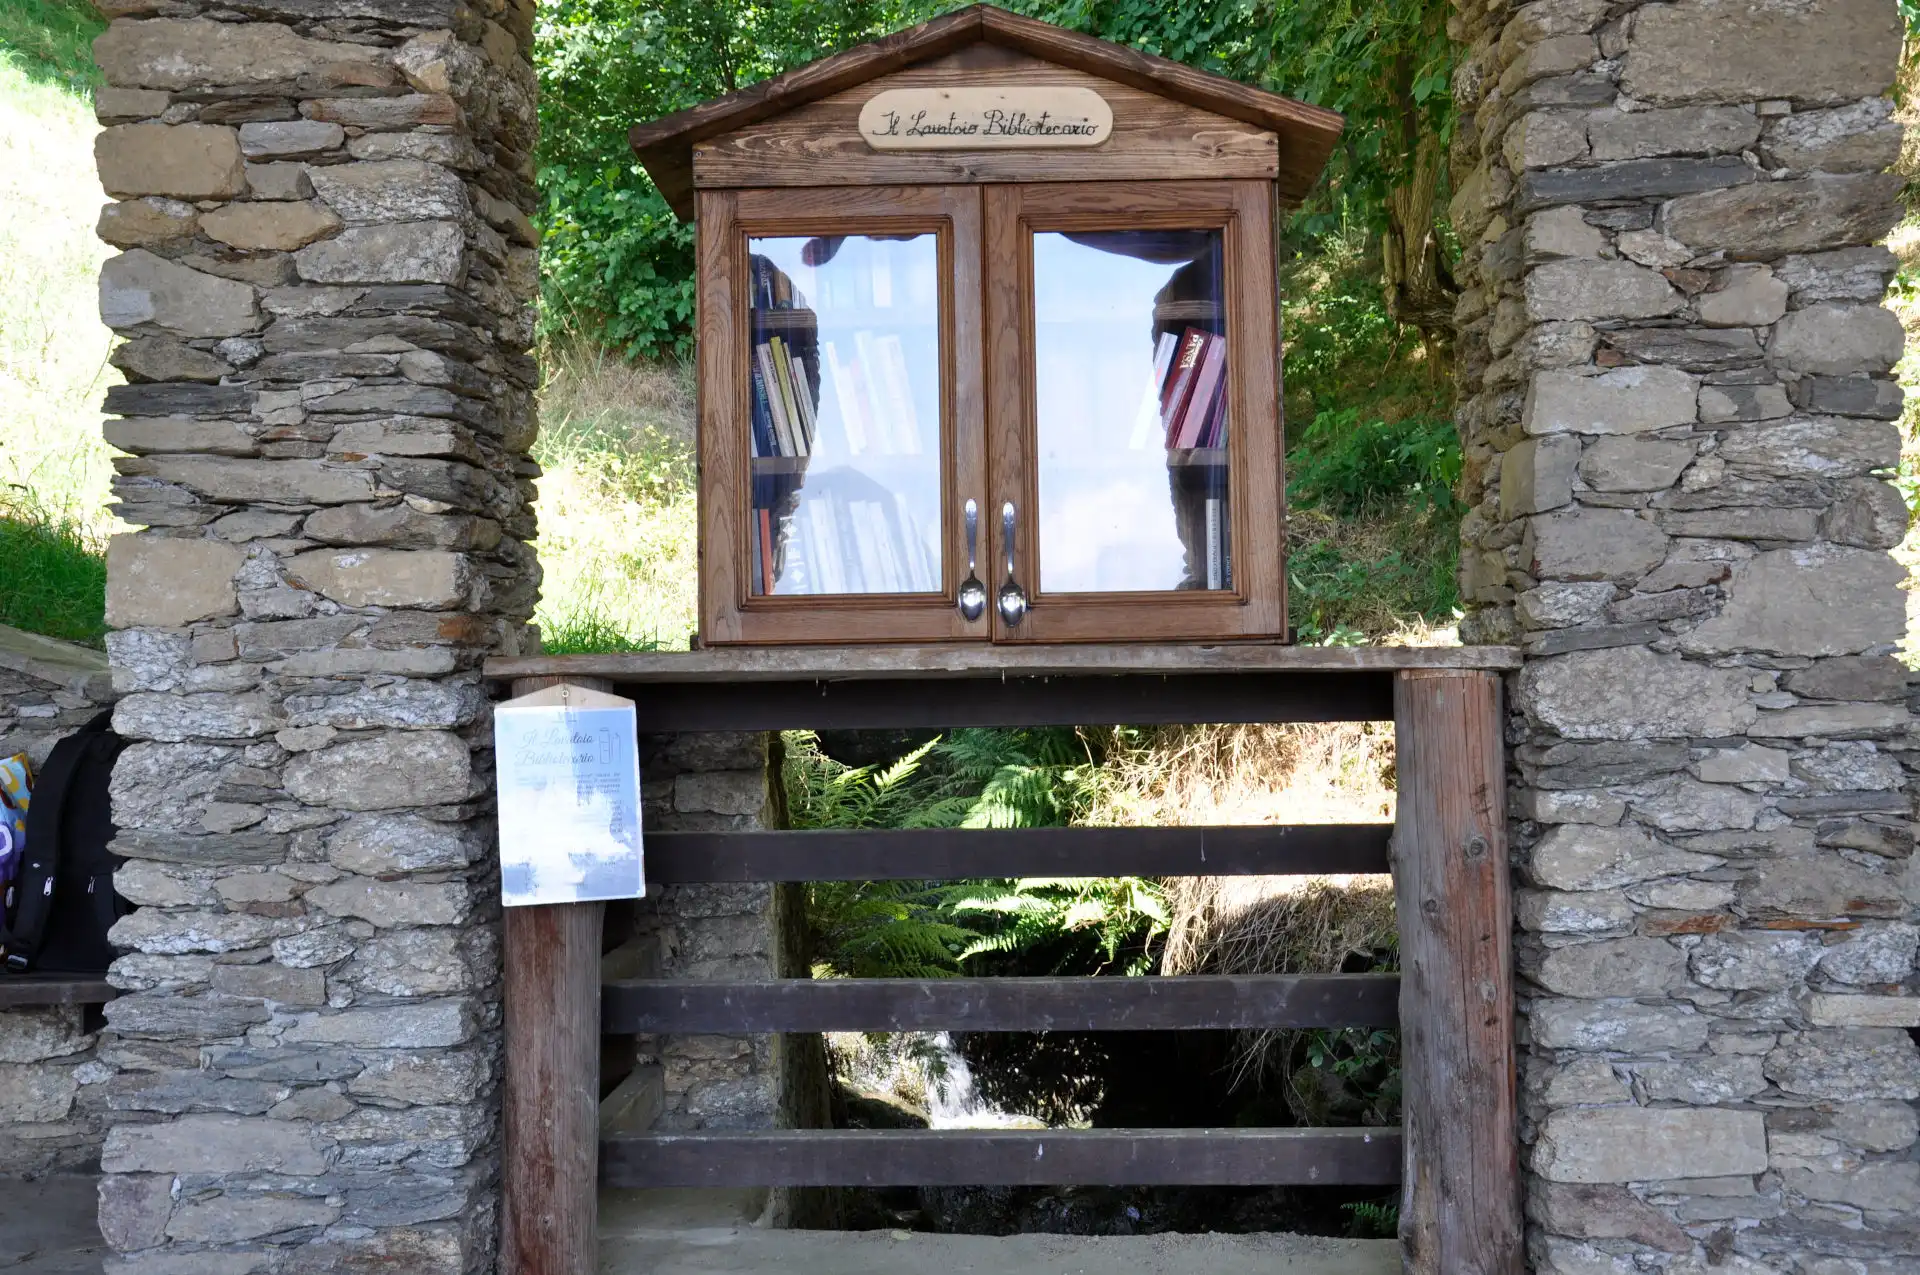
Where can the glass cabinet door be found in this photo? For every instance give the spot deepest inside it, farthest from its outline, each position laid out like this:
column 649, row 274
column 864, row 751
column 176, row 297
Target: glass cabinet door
column 852, row 419
column 1133, row 412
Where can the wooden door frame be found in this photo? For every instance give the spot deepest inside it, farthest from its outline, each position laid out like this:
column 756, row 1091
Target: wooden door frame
column 729, row 612
column 1243, row 210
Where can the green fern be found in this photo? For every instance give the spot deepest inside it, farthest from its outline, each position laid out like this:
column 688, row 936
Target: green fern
column 1367, row 1220
column 972, row 778
column 1118, row 918
column 887, row 929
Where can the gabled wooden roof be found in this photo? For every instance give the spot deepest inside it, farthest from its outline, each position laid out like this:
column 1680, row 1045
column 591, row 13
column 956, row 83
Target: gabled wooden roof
column 1306, row 133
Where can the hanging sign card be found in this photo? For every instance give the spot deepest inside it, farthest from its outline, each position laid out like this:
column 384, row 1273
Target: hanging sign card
column 567, row 766
column 1005, row 118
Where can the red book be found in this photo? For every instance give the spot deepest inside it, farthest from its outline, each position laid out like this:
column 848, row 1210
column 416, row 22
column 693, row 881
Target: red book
column 1186, row 365
column 766, row 552
column 1193, row 417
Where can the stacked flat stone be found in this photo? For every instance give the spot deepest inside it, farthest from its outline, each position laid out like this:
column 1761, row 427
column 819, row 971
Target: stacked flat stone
column 1679, row 415
column 326, row 291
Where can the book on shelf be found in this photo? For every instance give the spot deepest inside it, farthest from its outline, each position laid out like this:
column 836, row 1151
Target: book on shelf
column 765, row 441
column 1216, row 544
column 1179, row 385
column 764, row 543
column 874, row 392
column 782, row 387
column 1199, row 404
column 851, row 544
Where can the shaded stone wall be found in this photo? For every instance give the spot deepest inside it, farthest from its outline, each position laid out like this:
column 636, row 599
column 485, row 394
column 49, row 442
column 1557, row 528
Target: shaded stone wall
column 52, row 1104
column 326, row 290
column 1678, row 414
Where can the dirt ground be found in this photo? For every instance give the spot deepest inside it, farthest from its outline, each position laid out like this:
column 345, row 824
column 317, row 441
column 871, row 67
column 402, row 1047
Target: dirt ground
column 48, row 1227
column 662, row 1233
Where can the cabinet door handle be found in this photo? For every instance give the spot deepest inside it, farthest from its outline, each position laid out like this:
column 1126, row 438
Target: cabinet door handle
column 972, row 599
column 1013, row 598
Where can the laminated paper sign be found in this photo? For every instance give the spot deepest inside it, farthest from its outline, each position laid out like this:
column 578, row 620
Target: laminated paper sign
column 568, row 778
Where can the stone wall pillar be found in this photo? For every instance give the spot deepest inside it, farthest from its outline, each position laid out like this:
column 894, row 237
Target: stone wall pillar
column 1678, row 419
column 326, row 291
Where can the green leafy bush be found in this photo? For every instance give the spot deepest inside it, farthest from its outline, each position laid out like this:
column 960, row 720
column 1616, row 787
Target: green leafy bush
column 1349, row 465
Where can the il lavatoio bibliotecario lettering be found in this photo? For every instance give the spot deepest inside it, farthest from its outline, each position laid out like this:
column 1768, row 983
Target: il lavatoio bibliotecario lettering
column 992, row 123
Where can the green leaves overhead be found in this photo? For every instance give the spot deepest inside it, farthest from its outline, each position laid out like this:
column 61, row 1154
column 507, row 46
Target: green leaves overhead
column 618, row 266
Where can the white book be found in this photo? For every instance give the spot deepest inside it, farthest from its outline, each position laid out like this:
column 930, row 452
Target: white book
column 847, row 397
column 873, row 563
column 1147, row 419
column 923, row 563
column 880, row 426
column 899, row 393
column 1216, row 558
column 803, row 394
column 891, row 563
column 811, row 580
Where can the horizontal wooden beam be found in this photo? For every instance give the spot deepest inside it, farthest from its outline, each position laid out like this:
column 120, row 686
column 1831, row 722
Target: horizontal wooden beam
column 27, row 990
column 1199, row 1002
column 943, row 703
column 959, row 854
column 984, row 660
column 976, row 1157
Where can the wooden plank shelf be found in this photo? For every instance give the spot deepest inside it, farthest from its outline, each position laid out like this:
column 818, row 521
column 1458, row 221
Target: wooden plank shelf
column 1194, row 1002
column 959, row 854
column 984, row 660
column 973, row 1157
column 26, row 991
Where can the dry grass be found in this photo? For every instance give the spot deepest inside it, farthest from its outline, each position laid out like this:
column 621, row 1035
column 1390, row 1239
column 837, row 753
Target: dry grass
column 617, row 502
column 53, row 347
column 1263, row 774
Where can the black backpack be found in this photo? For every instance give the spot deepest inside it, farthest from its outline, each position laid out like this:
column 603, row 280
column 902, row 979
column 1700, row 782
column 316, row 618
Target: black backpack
column 64, row 902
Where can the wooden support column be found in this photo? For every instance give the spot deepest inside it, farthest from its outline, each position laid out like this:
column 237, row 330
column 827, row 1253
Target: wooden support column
column 1460, row 1192
column 550, row 1207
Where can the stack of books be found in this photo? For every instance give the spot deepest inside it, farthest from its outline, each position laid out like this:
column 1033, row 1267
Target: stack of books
column 840, row 543
column 784, row 423
column 1187, row 398
column 871, row 389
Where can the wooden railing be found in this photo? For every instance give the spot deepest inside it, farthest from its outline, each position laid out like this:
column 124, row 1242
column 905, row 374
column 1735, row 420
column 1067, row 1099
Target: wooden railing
column 1457, row 1154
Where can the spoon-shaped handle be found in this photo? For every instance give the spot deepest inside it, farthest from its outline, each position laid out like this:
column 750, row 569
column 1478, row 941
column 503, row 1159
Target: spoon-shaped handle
column 1006, row 534
column 973, row 533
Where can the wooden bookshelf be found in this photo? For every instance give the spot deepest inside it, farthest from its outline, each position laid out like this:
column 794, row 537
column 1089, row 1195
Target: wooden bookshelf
column 955, row 285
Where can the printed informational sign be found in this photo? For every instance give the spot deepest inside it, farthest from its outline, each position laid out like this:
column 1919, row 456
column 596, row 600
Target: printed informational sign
column 568, row 778
column 1008, row 118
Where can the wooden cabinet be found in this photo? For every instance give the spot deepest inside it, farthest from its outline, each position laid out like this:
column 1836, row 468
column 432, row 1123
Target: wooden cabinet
column 988, row 342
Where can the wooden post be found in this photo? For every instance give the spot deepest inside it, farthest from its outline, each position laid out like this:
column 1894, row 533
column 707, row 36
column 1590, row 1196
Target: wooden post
column 1460, row 1192
column 549, row 1215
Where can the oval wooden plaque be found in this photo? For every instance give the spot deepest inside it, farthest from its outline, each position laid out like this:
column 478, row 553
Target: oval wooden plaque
column 944, row 119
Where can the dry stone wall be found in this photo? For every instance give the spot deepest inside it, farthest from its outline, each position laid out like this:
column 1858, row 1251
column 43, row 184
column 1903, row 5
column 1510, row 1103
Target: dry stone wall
column 326, row 291
column 1679, row 417
column 52, row 1103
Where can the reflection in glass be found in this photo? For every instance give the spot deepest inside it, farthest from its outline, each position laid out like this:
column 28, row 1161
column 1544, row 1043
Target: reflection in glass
column 844, row 380
column 1130, row 382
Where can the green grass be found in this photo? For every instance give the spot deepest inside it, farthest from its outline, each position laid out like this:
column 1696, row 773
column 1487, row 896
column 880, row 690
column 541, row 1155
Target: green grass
column 53, row 578
column 55, row 468
column 617, row 504
column 51, row 41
